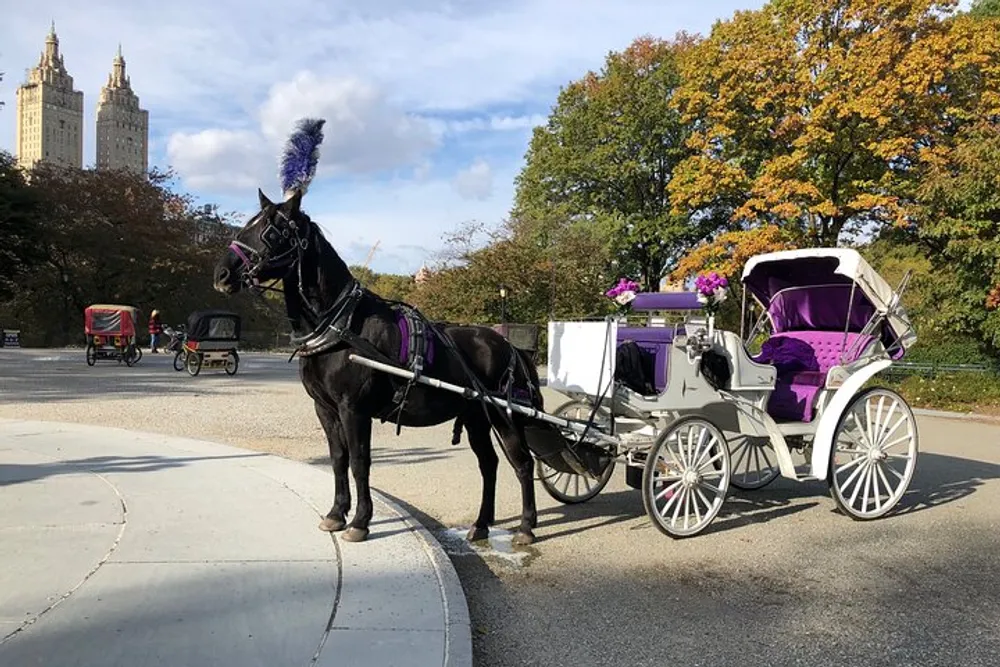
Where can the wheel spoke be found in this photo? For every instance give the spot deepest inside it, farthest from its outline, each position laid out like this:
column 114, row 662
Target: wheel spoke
column 857, row 485
column 744, row 449
column 852, row 462
column 668, row 489
column 709, row 462
column 889, row 491
column 698, row 454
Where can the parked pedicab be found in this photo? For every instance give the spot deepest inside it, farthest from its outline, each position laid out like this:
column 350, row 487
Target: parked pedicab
column 711, row 413
column 210, row 340
column 110, row 331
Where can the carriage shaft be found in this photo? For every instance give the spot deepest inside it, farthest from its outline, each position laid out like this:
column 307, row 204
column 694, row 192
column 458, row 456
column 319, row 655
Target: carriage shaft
column 466, row 392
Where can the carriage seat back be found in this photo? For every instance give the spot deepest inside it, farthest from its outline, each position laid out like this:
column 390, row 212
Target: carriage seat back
column 803, row 359
column 656, row 341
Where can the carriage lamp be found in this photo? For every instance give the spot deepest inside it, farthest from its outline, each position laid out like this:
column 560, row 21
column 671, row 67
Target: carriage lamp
column 503, row 304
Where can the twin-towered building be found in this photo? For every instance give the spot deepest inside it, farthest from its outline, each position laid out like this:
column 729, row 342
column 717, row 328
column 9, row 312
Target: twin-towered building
column 50, row 117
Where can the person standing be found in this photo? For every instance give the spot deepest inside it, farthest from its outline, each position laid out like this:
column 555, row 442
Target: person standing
column 155, row 329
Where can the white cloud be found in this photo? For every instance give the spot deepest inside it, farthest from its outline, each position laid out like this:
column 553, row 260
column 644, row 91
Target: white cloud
column 218, row 159
column 364, row 133
column 474, row 182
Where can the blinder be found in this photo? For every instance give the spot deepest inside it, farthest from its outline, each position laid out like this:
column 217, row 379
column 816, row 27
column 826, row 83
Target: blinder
column 279, row 231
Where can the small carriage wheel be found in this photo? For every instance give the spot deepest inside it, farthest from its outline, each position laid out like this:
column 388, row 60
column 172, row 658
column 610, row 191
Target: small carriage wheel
column 91, row 354
column 128, row 354
column 567, row 487
column 874, row 454
column 138, row 354
column 179, row 360
column 755, row 463
column 233, row 357
column 193, row 363
column 686, row 477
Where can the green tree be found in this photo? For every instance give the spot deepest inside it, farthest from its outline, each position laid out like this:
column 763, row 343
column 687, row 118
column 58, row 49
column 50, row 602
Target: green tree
column 814, row 114
column 20, row 211
column 564, row 279
column 393, row 287
column 961, row 229
column 606, row 156
column 985, row 9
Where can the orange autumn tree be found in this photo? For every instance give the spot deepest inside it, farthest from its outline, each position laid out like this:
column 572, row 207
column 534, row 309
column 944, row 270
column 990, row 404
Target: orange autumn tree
column 814, row 114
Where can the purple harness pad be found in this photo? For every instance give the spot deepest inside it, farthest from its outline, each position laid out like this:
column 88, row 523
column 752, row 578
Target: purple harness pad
column 404, row 342
column 803, row 359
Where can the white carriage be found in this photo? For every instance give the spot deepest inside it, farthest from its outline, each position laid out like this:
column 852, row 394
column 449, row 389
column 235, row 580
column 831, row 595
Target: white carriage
column 721, row 415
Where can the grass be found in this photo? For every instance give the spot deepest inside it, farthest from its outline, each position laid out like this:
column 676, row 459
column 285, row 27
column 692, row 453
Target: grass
column 959, row 392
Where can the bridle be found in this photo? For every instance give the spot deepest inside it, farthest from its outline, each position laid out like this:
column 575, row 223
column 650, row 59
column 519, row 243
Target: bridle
column 280, row 228
column 331, row 323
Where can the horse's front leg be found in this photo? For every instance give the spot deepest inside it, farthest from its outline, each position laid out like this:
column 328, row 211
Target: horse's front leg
column 336, row 518
column 358, row 434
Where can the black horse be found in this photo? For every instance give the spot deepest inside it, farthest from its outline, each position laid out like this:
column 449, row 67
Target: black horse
column 333, row 317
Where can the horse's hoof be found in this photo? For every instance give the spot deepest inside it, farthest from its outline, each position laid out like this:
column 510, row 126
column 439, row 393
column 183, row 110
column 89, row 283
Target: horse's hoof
column 332, row 524
column 523, row 538
column 476, row 534
column 355, row 535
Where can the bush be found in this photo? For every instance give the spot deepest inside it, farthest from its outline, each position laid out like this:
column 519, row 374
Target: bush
column 950, row 391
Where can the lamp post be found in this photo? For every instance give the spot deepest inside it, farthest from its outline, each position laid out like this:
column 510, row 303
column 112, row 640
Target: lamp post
column 503, row 304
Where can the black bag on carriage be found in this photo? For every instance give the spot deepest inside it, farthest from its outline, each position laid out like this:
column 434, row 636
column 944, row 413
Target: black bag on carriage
column 634, row 368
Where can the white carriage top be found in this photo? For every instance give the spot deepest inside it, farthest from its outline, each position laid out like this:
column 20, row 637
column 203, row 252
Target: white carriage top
column 813, row 288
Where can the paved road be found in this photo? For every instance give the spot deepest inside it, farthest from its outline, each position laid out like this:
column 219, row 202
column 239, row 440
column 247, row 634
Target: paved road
column 780, row 577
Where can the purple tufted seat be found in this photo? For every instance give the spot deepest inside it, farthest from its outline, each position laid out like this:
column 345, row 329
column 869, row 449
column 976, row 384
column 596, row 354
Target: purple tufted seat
column 803, row 359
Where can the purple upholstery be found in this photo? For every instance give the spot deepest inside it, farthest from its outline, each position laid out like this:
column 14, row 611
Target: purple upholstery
column 404, row 342
column 655, row 340
column 645, row 301
column 802, row 359
column 820, row 307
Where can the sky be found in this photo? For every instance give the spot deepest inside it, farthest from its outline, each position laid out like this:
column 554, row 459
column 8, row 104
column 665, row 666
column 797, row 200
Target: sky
column 429, row 106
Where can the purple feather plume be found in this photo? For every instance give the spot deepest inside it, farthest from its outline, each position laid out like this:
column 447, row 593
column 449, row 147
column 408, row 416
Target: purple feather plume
column 301, row 155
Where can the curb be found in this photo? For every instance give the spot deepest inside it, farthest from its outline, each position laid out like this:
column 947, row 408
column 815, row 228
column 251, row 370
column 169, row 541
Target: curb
column 962, row 416
column 458, row 627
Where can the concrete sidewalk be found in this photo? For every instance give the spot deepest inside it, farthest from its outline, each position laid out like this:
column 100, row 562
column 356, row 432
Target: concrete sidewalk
column 123, row 548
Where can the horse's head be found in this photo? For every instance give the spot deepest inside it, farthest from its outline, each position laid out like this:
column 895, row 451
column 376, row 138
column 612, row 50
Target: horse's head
column 265, row 249
column 273, row 240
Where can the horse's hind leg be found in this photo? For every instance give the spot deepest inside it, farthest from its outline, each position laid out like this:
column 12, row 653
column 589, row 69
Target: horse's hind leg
column 516, row 446
column 482, row 445
column 358, row 434
column 336, row 518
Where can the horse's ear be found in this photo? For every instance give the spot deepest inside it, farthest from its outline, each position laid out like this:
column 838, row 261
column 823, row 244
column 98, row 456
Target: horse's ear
column 264, row 201
column 294, row 203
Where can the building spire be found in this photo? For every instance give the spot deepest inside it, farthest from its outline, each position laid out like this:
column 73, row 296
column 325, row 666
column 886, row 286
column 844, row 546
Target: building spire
column 118, row 78
column 51, row 55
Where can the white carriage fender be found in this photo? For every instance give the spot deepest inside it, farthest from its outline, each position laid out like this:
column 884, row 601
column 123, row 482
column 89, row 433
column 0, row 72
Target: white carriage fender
column 823, row 441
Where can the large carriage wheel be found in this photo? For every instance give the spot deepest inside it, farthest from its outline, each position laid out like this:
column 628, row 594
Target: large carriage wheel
column 567, row 487
column 686, row 477
column 874, row 454
column 755, row 463
column 232, row 362
column 91, row 354
column 180, row 359
column 193, row 363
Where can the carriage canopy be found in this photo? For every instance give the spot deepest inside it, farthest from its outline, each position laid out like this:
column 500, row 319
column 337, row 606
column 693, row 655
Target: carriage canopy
column 204, row 325
column 110, row 319
column 826, row 289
